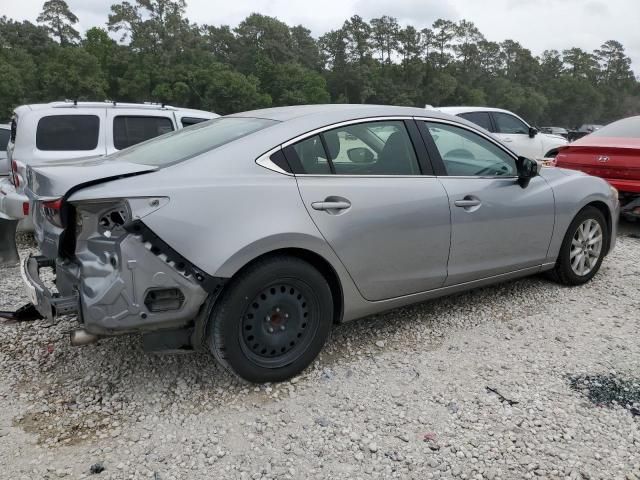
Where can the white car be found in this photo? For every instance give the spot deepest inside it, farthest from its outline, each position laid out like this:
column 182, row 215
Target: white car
column 519, row 136
column 45, row 133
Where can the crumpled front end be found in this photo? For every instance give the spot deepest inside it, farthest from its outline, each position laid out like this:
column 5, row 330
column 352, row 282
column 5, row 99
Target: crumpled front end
column 120, row 276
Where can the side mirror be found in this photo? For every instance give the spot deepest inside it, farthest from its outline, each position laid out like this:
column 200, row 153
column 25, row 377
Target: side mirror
column 533, row 131
column 527, row 169
column 360, row 155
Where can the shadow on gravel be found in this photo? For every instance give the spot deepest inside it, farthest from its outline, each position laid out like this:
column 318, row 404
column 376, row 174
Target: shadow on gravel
column 608, row 391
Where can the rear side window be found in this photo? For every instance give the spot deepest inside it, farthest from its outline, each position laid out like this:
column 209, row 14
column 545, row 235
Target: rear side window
column 188, row 121
column 130, row 130
column 4, row 138
column 479, row 118
column 68, row 132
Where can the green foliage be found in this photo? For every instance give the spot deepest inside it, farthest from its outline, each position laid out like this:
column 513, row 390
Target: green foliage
column 160, row 55
column 58, row 19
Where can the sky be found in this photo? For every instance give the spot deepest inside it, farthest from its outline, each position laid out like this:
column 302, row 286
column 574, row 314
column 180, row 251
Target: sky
column 536, row 24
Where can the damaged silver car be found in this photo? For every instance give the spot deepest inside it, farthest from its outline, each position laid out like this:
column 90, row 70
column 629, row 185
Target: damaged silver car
column 251, row 235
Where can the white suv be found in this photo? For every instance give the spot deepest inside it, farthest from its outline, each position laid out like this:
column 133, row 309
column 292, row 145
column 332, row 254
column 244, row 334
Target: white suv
column 67, row 130
column 522, row 138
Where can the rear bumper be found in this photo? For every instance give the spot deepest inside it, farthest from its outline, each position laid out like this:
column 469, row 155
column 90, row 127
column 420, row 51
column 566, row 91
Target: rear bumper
column 12, row 203
column 49, row 304
column 625, row 186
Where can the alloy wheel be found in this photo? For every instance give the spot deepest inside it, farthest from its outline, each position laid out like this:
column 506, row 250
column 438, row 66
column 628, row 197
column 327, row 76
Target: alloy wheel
column 586, row 247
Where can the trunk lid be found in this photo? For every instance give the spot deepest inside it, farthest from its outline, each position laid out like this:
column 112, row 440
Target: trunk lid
column 614, row 158
column 55, row 180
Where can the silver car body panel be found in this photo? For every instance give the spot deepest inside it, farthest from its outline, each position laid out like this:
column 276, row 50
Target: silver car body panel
column 391, row 248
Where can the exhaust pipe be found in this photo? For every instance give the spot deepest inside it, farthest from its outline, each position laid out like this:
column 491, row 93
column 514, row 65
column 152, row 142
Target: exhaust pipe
column 82, row 337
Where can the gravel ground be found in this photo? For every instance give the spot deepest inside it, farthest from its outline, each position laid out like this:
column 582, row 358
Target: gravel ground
column 399, row 395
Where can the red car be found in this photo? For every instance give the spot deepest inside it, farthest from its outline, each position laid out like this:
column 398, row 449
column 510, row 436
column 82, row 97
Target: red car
column 613, row 153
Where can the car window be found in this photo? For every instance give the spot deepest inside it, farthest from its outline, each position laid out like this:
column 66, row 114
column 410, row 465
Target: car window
column 187, row 143
column 188, row 121
column 130, row 130
column 467, row 154
column 371, row 148
column 4, row 138
column 506, row 123
column 481, row 119
column 68, row 132
column 311, row 156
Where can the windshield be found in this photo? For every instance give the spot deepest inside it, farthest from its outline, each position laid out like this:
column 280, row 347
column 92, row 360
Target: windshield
column 189, row 142
column 627, row 128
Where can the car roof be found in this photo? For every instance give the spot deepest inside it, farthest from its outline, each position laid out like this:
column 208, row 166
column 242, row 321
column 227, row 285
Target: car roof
column 460, row 109
column 338, row 111
column 108, row 105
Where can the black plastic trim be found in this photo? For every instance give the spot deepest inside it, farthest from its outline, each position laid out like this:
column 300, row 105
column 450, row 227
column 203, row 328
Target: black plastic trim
column 158, row 247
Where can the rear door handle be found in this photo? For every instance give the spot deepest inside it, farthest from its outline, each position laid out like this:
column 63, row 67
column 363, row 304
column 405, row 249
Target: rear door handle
column 467, row 202
column 337, row 205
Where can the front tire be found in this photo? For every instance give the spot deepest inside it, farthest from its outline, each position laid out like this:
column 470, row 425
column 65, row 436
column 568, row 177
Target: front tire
column 583, row 248
column 272, row 320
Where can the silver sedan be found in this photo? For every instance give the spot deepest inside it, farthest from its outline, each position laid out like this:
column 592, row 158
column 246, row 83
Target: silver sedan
column 252, row 234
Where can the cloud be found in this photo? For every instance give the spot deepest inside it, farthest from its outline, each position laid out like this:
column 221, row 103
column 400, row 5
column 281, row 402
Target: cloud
column 419, row 13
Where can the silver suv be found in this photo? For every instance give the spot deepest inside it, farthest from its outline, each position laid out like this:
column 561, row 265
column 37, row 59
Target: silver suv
column 44, row 133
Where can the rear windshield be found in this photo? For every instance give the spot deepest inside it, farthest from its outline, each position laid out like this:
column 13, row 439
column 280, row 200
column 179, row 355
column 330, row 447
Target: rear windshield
column 627, row 128
column 68, row 132
column 187, row 143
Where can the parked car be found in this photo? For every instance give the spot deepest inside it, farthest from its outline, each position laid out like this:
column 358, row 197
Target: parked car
column 582, row 131
column 512, row 130
column 612, row 153
column 50, row 132
column 252, row 234
column 563, row 132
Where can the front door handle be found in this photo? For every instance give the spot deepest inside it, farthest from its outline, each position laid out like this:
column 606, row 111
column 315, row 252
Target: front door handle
column 507, row 139
column 331, row 205
column 468, row 202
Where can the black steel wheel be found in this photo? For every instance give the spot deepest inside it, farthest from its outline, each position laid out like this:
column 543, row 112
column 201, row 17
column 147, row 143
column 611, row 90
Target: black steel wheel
column 272, row 319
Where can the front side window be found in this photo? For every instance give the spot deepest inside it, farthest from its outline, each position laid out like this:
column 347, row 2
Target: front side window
column 130, row 130
column 68, row 133
column 371, row 148
column 467, row 154
column 481, row 119
column 187, row 143
column 509, row 124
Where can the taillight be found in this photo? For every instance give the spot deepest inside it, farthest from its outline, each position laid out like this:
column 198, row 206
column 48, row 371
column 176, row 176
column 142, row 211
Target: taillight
column 52, row 211
column 25, row 209
column 14, row 172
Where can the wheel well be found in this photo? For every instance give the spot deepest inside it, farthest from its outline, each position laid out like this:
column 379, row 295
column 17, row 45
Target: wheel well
column 604, row 209
column 322, row 265
column 551, row 153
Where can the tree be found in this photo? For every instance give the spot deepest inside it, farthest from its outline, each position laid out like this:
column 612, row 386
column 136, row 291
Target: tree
column 58, row 19
column 71, row 72
column 385, row 36
column 444, row 32
column 615, row 65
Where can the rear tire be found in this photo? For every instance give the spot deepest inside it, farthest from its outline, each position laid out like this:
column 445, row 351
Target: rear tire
column 272, row 320
column 583, row 248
